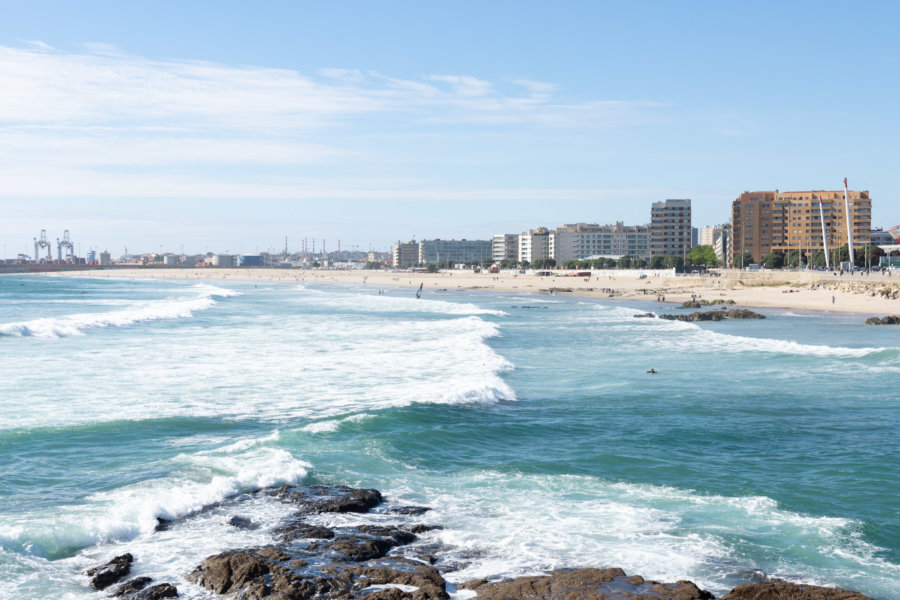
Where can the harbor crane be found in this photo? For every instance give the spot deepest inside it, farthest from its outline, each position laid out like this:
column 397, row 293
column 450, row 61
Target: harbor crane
column 68, row 245
column 42, row 243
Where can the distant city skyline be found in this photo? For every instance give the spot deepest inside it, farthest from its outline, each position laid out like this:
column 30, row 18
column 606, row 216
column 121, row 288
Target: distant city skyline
column 220, row 126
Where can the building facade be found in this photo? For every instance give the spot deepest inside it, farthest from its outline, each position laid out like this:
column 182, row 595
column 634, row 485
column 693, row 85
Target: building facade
column 765, row 222
column 584, row 240
column 534, row 245
column 433, row 252
column 670, row 228
column 405, row 255
column 505, row 246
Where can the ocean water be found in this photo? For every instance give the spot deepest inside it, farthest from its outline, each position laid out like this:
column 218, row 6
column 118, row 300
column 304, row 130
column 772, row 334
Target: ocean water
column 761, row 448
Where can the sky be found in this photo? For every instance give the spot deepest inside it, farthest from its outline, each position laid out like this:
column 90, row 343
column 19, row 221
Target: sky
column 228, row 126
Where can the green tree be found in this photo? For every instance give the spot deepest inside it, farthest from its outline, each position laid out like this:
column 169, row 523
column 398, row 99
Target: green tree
column 773, row 260
column 658, row 262
column 816, row 259
column 702, row 255
column 624, row 262
column 638, row 263
column 743, row 260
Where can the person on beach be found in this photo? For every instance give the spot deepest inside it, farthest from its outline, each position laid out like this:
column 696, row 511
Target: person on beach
column 832, row 299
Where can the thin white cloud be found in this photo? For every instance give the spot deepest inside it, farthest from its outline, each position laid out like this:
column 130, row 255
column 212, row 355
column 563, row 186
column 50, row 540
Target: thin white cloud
column 465, row 85
column 102, row 123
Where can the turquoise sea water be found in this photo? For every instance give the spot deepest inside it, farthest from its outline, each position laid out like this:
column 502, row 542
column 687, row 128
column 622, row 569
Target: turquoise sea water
column 535, row 434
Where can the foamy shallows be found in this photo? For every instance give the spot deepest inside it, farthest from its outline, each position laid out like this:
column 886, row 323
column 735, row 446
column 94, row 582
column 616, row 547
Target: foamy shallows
column 537, row 437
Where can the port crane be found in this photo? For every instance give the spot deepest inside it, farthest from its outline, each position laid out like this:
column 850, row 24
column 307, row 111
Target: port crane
column 68, row 245
column 42, row 243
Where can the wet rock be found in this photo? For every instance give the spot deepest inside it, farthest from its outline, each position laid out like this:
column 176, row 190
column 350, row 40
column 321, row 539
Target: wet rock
column 389, row 594
column 358, row 549
column 782, row 590
column 299, row 530
column 400, row 536
column 743, row 313
column 427, row 580
column 586, row 584
column 645, row 316
column 691, row 304
column 472, row 584
column 106, row 575
column 413, row 511
column 423, row 528
column 242, row 523
column 229, row 571
column 888, row 320
column 715, row 315
column 130, row 587
column 337, row 499
column 162, row 590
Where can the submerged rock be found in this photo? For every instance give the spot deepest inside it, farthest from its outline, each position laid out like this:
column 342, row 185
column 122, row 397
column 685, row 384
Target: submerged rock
column 645, row 316
column 106, row 575
column 888, row 320
column 132, row 586
column 781, row 590
column 715, row 315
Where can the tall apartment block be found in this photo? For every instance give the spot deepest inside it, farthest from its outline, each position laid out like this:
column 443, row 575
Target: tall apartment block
column 534, row 245
column 670, row 228
column 405, row 255
column 764, row 222
column 505, row 246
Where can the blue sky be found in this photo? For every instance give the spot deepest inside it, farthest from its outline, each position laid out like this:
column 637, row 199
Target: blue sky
column 229, row 125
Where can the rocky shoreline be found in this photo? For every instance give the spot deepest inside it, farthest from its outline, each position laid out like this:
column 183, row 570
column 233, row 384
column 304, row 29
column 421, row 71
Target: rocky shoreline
column 383, row 561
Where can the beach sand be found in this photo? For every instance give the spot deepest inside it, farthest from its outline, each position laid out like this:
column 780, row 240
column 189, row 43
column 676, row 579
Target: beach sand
column 869, row 295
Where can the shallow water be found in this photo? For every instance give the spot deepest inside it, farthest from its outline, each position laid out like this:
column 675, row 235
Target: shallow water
column 536, row 435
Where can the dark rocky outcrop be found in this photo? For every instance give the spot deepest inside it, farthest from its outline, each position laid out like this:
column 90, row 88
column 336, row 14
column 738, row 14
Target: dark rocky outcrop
column 781, row 590
column 357, row 561
column 645, row 316
column 715, row 315
column 242, row 523
column 155, row 592
column 132, row 586
column 325, row 499
column 105, row 575
column 888, row 320
column 702, row 303
column 299, row 529
column 585, row 584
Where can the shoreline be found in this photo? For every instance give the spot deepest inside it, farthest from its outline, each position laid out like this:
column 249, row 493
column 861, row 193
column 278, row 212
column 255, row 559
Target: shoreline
column 802, row 291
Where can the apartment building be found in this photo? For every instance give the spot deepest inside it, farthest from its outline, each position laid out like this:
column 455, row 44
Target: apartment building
column 505, row 246
column 670, row 227
column 534, row 245
column 406, row 255
column 764, row 222
column 583, row 240
column 433, row 252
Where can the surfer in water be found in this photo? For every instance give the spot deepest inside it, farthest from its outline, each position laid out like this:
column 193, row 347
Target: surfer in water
column 652, row 371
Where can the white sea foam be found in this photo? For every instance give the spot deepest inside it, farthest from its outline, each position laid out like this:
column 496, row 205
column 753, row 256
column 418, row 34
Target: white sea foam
column 375, row 303
column 198, row 480
column 332, row 425
column 525, row 524
column 154, row 310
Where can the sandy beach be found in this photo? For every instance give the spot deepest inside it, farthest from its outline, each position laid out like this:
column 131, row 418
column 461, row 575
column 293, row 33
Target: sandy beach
column 869, row 295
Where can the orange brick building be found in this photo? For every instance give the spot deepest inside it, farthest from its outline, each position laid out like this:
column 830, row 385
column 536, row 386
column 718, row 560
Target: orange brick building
column 764, row 222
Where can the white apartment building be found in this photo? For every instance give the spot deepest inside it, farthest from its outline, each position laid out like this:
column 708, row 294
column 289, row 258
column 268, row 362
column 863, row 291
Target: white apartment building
column 405, row 255
column 534, row 245
column 505, row 246
column 583, row 240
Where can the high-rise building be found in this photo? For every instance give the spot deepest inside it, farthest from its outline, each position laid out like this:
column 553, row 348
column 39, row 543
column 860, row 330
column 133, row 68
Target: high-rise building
column 406, row 255
column 534, row 245
column 670, row 228
column 765, row 222
column 583, row 240
column 505, row 246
